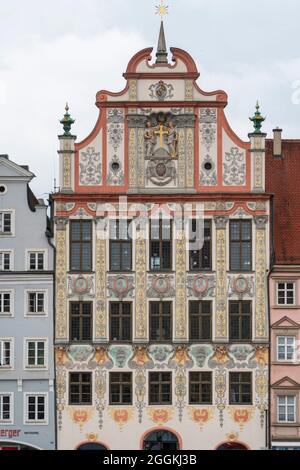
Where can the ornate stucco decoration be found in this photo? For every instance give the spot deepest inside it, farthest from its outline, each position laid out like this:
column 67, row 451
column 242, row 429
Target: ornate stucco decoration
column 161, row 171
column 261, row 278
column 208, row 133
column 181, row 313
column 221, row 276
column 201, row 353
column 90, row 167
column 201, row 416
column 201, row 286
column 161, row 286
column 81, row 285
column 101, row 331
column 115, row 130
column 141, row 323
column 241, row 286
column 61, row 278
column 161, row 91
column 120, row 287
column 120, row 355
column 160, row 353
column 234, row 167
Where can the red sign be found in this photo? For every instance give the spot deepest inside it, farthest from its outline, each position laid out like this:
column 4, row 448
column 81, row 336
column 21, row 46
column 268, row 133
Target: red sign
column 10, row 433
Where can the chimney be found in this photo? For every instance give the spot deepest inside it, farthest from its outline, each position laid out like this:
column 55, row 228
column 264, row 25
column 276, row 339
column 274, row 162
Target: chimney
column 4, row 156
column 277, row 145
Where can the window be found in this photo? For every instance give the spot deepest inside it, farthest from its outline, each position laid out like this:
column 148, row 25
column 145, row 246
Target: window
column 120, row 246
column 240, row 245
column 81, row 245
column 200, row 388
column 200, row 321
column 36, row 261
column 160, row 245
column 240, row 386
column 36, row 353
column 81, row 321
column 5, row 223
column 6, row 411
column 286, row 409
column 286, row 346
column 161, row 440
column 36, row 409
column 240, row 316
column 5, row 303
column 5, row 353
column 80, row 388
column 5, row 261
column 160, row 321
column 120, row 388
column 160, row 388
column 120, row 321
column 286, row 293
column 200, row 259
column 36, row 303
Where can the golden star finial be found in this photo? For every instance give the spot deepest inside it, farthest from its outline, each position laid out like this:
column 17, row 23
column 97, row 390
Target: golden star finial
column 162, row 9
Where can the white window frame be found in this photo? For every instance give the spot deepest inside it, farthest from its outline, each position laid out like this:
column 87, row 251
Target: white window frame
column 11, row 341
column 29, row 422
column 36, row 251
column 285, row 304
column 12, row 223
column 26, row 350
column 286, row 337
column 11, row 406
column 286, row 408
column 11, row 262
column 11, row 313
column 29, row 314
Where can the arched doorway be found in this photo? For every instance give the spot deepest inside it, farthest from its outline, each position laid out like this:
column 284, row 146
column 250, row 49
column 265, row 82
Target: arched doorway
column 232, row 446
column 91, row 446
column 161, row 440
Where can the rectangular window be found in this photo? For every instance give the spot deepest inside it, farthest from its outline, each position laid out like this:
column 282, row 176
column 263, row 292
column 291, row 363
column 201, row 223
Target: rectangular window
column 120, row 321
column 286, row 293
column 81, row 242
column 5, row 353
column 80, row 388
column 36, row 303
column 120, row 388
column 160, row 388
column 36, row 411
column 5, row 408
column 200, row 320
column 36, row 353
column 120, row 246
column 241, row 245
column 81, row 321
column 200, row 258
column 36, row 261
column 286, row 347
column 200, row 388
column 160, row 245
column 286, row 409
column 5, row 261
column 5, row 223
column 5, row 303
column 160, row 321
column 240, row 388
column 240, row 320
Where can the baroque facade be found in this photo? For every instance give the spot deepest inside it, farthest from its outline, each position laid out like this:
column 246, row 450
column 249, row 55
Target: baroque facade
column 27, row 413
column 160, row 343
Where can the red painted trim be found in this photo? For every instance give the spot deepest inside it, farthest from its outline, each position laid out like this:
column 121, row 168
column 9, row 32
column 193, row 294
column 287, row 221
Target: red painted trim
column 92, row 442
column 197, row 151
column 93, row 134
column 186, row 58
column 101, row 96
column 167, row 75
column 138, row 58
column 161, row 428
column 165, row 104
column 228, row 442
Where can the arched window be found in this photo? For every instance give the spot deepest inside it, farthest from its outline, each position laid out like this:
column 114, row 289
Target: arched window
column 161, row 440
column 231, row 446
column 91, row 446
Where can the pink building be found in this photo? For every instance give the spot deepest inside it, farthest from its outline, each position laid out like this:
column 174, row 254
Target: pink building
column 282, row 168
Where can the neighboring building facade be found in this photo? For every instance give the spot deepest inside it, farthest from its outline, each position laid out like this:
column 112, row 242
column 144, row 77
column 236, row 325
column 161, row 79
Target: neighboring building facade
column 27, row 418
column 282, row 170
column 159, row 346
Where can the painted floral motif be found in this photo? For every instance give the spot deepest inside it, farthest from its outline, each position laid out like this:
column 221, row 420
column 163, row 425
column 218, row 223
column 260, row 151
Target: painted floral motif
column 180, row 391
column 81, row 285
column 221, row 359
column 80, row 416
column 120, row 355
column 160, row 416
column 200, row 354
column 201, row 286
column 121, row 416
column 101, row 359
column 160, row 353
column 220, row 387
column 240, row 286
column 120, row 287
column 80, row 353
column 161, row 91
column 115, row 130
column 181, row 358
column 240, row 351
column 201, row 416
column 140, row 393
column 241, row 416
column 161, row 286
column 234, row 167
column 141, row 359
column 208, row 132
column 61, row 389
column 90, row 167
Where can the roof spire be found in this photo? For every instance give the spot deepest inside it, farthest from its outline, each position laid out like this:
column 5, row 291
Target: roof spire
column 162, row 53
column 67, row 122
column 257, row 120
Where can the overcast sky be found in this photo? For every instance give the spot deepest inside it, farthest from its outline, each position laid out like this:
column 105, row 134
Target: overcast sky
column 67, row 50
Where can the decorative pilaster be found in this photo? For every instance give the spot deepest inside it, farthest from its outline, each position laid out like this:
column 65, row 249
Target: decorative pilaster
column 261, row 278
column 141, row 324
column 181, row 333
column 66, row 153
column 258, row 150
column 61, row 333
column 181, row 158
column 101, row 330
column 132, row 158
column 221, row 294
column 141, row 159
column 190, row 153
